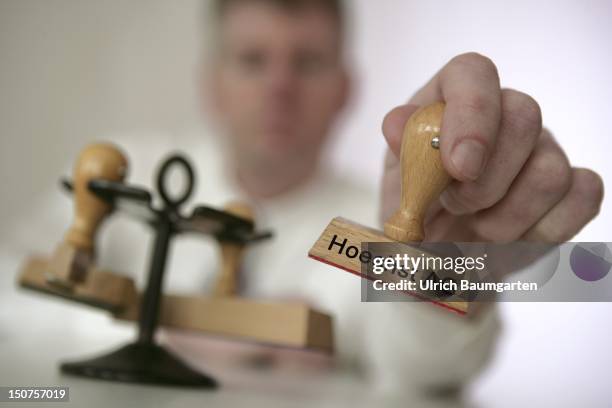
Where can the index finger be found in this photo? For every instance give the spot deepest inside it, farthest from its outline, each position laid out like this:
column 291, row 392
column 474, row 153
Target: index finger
column 469, row 85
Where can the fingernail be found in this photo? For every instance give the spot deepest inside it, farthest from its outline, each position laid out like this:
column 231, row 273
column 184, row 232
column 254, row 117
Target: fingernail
column 468, row 157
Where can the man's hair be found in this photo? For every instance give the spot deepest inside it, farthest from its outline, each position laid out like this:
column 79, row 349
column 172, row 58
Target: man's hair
column 335, row 8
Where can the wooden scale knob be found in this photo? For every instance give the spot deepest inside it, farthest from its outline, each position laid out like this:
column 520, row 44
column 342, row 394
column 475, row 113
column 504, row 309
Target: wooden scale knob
column 96, row 161
column 73, row 257
column 232, row 254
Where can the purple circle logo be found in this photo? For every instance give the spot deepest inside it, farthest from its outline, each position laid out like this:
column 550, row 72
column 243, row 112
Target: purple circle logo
column 591, row 261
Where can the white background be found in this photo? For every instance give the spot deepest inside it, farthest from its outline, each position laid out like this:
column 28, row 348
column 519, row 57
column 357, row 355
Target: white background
column 74, row 71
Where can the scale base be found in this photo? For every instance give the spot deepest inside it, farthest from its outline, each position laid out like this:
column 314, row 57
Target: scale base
column 140, row 363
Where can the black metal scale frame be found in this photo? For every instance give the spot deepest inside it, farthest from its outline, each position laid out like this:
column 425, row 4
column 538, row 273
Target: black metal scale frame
column 145, row 361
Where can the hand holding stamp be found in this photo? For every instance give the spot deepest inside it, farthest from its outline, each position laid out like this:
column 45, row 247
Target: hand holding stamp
column 423, row 180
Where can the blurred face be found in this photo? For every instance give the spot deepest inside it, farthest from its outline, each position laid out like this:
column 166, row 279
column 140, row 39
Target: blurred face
column 279, row 81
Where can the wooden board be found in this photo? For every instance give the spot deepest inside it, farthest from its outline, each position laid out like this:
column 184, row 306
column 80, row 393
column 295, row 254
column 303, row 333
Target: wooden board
column 283, row 324
column 275, row 323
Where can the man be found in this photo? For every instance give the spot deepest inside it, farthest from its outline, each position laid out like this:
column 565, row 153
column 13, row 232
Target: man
column 280, row 80
column 276, row 82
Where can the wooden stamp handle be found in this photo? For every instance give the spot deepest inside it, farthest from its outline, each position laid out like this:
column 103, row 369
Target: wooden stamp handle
column 96, row 161
column 231, row 254
column 423, row 176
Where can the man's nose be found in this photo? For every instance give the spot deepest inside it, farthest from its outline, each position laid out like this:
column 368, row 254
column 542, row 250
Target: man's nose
column 282, row 81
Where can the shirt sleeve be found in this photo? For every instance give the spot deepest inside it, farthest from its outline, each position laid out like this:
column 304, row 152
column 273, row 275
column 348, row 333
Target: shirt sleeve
column 415, row 345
